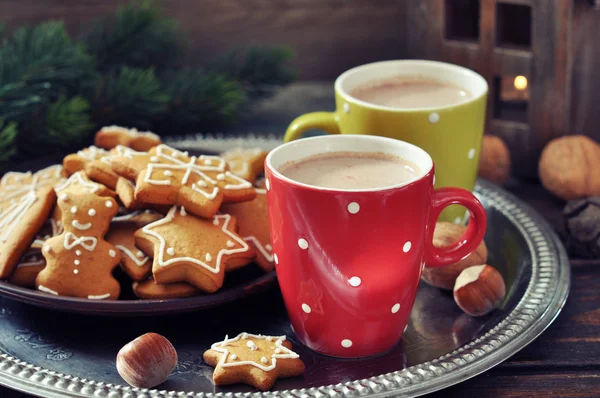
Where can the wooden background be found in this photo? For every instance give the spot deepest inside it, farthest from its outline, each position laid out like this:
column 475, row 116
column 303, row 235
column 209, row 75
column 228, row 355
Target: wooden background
column 330, row 36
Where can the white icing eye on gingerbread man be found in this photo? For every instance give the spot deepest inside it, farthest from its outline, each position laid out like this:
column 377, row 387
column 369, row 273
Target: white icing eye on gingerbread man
column 86, row 214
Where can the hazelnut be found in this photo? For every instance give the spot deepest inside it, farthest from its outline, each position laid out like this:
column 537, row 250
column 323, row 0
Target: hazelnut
column 569, row 166
column 444, row 235
column 147, row 361
column 494, row 162
column 479, row 289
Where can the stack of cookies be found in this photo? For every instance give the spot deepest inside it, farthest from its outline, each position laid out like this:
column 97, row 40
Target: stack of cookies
column 174, row 223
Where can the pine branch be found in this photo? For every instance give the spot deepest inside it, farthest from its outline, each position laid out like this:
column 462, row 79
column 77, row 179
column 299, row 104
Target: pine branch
column 138, row 36
column 259, row 68
column 68, row 122
column 129, row 97
column 8, row 138
column 37, row 66
column 200, row 98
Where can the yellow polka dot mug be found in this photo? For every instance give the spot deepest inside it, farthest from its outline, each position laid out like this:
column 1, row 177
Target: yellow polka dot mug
column 451, row 134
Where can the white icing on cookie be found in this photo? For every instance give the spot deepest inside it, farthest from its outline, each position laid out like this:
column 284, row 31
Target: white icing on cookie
column 99, row 297
column 82, row 227
column 45, row 289
column 138, row 261
column 87, row 242
column 284, row 352
column 225, row 218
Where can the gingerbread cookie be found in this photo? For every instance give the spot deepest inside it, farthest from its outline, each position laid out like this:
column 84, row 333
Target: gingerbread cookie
column 126, row 192
column 253, row 226
column 52, row 227
column 76, row 161
column 200, row 184
column 190, row 249
column 79, row 182
column 151, row 290
column 110, row 136
column 79, row 262
column 26, row 200
column 253, row 359
column 247, row 163
column 134, row 262
column 139, row 217
column 28, row 269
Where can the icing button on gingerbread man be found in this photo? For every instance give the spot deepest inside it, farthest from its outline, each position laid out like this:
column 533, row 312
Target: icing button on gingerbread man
column 79, row 262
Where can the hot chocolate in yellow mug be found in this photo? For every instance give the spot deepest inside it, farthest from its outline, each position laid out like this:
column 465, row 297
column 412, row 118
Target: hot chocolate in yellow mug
column 451, row 134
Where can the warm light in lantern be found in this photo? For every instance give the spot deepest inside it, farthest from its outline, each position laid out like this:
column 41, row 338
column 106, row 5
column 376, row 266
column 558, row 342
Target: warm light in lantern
column 520, row 82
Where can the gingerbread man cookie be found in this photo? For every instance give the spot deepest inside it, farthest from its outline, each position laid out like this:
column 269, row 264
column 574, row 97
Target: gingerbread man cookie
column 253, row 226
column 253, row 359
column 190, row 249
column 153, row 291
column 79, row 262
column 247, row 163
column 167, row 176
column 79, row 182
column 26, row 200
column 110, row 136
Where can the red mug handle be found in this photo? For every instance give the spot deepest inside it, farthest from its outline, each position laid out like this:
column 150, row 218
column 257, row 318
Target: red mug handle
column 442, row 198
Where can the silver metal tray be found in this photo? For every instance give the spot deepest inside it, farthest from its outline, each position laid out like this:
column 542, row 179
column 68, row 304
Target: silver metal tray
column 57, row 354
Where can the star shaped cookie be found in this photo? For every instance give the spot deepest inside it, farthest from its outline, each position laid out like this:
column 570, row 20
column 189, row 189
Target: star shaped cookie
column 253, row 226
column 190, row 249
column 167, row 176
column 247, row 163
column 253, row 359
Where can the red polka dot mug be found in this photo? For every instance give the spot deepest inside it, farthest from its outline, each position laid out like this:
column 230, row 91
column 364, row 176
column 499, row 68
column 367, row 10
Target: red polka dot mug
column 349, row 261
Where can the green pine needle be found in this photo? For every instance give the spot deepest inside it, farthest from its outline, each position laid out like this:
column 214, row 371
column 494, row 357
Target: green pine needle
column 8, row 138
column 259, row 68
column 37, row 66
column 68, row 122
column 198, row 98
column 139, row 36
column 130, row 97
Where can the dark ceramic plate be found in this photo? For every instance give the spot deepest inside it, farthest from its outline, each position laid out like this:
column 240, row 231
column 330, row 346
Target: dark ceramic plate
column 238, row 284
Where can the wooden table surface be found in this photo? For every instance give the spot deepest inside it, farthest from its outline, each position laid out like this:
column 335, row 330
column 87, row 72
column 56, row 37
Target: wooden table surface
column 564, row 361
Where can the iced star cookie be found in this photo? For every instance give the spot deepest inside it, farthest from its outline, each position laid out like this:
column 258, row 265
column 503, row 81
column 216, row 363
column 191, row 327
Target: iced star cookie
column 148, row 289
column 26, row 200
column 110, row 136
column 247, row 163
column 190, row 249
column 79, row 262
column 253, row 359
column 76, row 161
column 166, row 176
column 28, row 269
column 253, row 226
column 134, row 262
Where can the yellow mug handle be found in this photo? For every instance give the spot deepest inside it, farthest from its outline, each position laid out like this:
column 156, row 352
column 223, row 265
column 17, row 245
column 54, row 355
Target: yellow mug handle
column 326, row 121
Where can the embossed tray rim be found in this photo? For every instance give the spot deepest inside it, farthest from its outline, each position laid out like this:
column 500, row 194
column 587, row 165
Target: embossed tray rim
column 540, row 305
